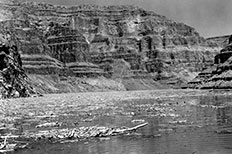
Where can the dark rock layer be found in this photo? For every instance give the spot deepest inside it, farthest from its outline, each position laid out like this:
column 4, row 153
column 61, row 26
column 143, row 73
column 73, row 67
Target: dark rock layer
column 13, row 80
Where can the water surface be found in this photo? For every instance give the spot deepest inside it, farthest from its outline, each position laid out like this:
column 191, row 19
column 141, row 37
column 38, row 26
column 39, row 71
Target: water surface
column 177, row 125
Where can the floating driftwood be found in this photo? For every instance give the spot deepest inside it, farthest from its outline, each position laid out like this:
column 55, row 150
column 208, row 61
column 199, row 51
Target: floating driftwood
column 132, row 128
column 83, row 132
column 5, row 146
column 61, row 135
column 52, row 124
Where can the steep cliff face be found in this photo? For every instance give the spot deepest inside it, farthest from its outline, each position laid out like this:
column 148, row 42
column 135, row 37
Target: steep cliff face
column 218, row 76
column 19, row 30
column 96, row 35
column 130, row 28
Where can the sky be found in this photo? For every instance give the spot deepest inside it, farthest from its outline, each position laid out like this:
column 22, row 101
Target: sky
column 209, row 17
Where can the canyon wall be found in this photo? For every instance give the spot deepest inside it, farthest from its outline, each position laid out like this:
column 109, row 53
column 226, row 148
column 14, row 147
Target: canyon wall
column 89, row 40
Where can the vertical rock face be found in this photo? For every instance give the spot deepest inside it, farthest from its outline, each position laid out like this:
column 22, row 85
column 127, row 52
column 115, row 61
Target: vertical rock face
column 66, row 44
column 78, row 36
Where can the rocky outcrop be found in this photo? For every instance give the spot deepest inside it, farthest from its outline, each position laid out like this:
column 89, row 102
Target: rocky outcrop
column 13, row 80
column 221, row 41
column 219, row 76
column 203, row 77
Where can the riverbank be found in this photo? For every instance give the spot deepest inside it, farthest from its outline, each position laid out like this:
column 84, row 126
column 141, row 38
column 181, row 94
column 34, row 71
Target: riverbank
column 47, row 84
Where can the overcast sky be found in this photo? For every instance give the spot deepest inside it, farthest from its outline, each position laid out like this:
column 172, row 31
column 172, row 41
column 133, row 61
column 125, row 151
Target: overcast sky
column 208, row 17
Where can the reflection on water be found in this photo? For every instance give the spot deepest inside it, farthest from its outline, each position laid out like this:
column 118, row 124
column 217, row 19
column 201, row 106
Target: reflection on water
column 194, row 125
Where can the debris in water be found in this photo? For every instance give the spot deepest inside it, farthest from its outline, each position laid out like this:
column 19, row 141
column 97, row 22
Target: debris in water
column 52, row 124
column 83, row 132
column 138, row 121
column 224, row 131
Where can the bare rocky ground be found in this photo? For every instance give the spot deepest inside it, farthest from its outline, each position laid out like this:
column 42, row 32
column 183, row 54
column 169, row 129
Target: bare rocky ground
column 78, row 116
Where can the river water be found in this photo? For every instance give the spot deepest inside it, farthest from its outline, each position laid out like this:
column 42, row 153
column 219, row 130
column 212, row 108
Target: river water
column 182, row 125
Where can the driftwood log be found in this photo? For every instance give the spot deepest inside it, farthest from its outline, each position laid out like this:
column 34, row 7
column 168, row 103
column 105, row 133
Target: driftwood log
column 61, row 135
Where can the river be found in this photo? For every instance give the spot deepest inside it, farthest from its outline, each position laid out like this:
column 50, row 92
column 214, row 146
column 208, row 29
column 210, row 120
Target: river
column 185, row 124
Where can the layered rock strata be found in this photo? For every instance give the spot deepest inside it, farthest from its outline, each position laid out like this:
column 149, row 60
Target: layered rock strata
column 35, row 53
column 86, row 69
column 41, row 64
column 219, row 76
column 96, row 35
